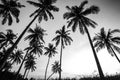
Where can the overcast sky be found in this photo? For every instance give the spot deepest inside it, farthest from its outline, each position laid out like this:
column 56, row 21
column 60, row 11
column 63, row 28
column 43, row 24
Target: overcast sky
column 78, row 57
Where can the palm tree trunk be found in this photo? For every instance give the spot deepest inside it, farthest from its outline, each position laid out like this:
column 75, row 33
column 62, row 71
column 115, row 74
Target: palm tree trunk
column 50, row 76
column 21, row 65
column 16, row 42
column 25, row 73
column 47, row 68
column 115, row 54
column 95, row 55
column 60, row 59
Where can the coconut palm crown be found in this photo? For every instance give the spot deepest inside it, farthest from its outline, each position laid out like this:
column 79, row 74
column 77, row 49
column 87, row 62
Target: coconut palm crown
column 8, row 38
column 77, row 16
column 44, row 9
column 108, row 40
column 17, row 57
column 63, row 36
column 50, row 50
column 10, row 9
column 36, row 35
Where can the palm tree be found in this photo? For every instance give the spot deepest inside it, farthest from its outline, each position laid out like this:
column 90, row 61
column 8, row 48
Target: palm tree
column 31, row 50
column 9, row 9
column 106, row 39
column 50, row 51
column 77, row 17
column 55, row 68
column 27, row 53
column 36, row 34
column 8, row 38
column 16, row 57
column 29, row 64
column 63, row 38
column 44, row 8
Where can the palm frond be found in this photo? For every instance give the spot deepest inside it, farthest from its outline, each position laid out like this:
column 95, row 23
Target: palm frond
column 116, row 48
column 4, row 20
column 35, row 4
column 75, row 25
column 81, row 7
column 91, row 10
column 81, row 28
column 10, row 21
column 116, row 40
column 50, row 15
column 54, row 8
column 115, row 31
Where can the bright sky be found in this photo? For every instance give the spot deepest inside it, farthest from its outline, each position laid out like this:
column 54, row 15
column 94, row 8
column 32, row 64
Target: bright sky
column 78, row 57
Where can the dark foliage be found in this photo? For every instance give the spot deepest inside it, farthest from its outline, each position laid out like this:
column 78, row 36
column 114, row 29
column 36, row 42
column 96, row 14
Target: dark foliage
column 10, row 76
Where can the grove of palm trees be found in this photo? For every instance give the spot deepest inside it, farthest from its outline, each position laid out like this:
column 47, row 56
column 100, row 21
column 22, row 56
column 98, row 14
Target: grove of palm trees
column 56, row 39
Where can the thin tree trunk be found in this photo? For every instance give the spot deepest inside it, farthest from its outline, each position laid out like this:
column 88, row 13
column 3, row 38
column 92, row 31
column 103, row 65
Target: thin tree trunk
column 21, row 65
column 50, row 76
column 24, row 73
column 27, row 73
column 61, row 59
column 47, row 68
column 115, row 54
column 95, row 55
column 16, row 43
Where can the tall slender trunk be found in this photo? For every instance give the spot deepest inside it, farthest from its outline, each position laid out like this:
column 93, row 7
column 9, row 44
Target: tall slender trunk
column 115, row 54
column 47, row 68
column 16, row 43
column 25, row 73
column 61, row 59
column 50, row 76
column 21, row 65
column 95, row 55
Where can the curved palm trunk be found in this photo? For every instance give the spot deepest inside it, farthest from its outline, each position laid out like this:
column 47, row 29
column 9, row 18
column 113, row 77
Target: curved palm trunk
column 27, row 73
column 21, row 66
column 115, row 54
column 16, row 43
column 50, row 76
column 47, row 68
column 24, row 73
column 60, row 59
column 95, row 55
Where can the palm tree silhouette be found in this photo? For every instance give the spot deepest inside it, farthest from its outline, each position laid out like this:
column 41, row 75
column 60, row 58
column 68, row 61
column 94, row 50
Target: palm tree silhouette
column 106, row 39
column 16, row 57
column 31, row 50
column 50, row 51
column 55, row 69
column 44, row 8
column 8, row 38
column 77, row 16
column 9, row 9
column 29, row 64
column 65, row 39
column 8, row 64
column 36, row 34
